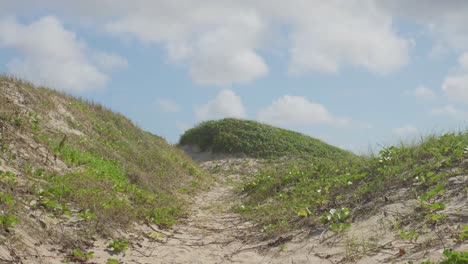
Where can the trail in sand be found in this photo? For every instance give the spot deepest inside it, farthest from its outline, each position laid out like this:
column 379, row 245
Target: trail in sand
column 214, row 234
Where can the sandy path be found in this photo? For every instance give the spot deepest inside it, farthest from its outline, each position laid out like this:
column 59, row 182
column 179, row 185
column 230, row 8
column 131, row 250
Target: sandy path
column 213, row 234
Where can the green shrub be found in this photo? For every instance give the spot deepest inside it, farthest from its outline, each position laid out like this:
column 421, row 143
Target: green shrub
column 258, row 140
column 118, row 246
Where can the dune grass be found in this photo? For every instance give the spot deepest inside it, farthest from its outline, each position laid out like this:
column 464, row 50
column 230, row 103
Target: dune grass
column 330, row 191
column 116, row 173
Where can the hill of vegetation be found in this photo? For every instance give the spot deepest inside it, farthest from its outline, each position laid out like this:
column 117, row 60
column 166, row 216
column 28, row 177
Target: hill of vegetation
column 415, row 191
column 65, row 158
column 253, row 139
column 407, row 201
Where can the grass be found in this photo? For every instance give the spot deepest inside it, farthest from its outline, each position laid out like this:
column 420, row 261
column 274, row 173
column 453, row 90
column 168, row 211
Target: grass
column 330, row 192
column 257, row 140
column 113, row 173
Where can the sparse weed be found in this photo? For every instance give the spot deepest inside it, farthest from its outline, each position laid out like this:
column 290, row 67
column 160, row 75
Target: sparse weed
column 337, row 219
column 309, row 190
column 118, row 246
column 451, row 257
column 412, row 236
column 78, row 256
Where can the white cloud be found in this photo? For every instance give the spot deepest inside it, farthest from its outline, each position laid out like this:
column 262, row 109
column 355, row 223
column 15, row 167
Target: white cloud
column 297, row 110
column 167, row 105
column 406, row 131
column 226, row 104
column 220, row 41
column 445, row 21
column 424, row 93
column 50, row 55
column 456, row 86
column 450, row 111
column 329, row 34
column 110, row 61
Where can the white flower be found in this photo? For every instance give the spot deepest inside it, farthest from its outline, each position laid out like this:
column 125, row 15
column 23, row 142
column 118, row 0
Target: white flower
column 346, row 213
column 332, row 211
column 319, row 190
column 329, row 217
column 350, row 182
column 417, row 178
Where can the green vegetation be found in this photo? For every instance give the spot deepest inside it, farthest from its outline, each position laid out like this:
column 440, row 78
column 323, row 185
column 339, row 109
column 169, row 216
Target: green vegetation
column 94, row 162
column 257, row 140
column 78, row 256
column 332, row 191
column 72, row 158
column 118, row 246
column 451, row 257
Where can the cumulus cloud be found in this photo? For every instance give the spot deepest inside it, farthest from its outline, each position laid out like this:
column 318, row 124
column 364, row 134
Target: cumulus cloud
column 51, row 55
column 218, row 41
column 109, row 61
column 324, row 36
column 167, row 105
column 446, row 21
column 424, row 93
column 456, row 86
column 328, row 34
column 298, row 110
column 226, row 104
column 450, row 111
column 222, row 42
column 405, row 131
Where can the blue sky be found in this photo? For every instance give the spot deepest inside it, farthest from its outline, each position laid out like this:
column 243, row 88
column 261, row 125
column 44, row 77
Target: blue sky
column 356, row 74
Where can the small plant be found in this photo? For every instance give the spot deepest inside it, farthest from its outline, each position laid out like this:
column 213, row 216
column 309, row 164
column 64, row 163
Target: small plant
column 282, row 248
column 269, row 228
column 87, row 215
column 455, row 257
column 304, row 212
column 77, row 255
column 48, row 201
column 118, row 246
column 428, row 203
column 337, row 219
column 112, row 261
column 8, row 221
column 7, row 205
column 8, row 177
column 412, row 236
column 164, row 216
column 155, row 235
column 464, row 233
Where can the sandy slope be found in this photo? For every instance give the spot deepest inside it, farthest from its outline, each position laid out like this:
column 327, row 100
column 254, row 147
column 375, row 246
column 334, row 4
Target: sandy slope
column 213, row 234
